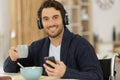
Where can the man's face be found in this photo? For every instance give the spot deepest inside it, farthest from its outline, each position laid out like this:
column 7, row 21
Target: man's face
column 52, row 22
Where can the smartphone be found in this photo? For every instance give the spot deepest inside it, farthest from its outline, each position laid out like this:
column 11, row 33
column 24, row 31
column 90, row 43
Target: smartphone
column 52, row 59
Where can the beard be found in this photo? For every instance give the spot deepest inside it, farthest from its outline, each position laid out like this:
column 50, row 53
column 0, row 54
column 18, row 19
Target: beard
column 56, row 34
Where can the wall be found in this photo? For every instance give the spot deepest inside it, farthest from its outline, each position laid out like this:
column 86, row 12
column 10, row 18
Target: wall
column 4, row 28
column 104, row 20
column 24, row 21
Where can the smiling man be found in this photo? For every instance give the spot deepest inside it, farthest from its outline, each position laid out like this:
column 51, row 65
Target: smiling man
column 74, row 55
column 53, row 25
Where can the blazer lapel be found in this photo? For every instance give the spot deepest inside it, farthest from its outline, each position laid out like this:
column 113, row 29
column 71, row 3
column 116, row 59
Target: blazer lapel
column 45, row 52
column 46, row 48
column 65, row 45
column 64, row 51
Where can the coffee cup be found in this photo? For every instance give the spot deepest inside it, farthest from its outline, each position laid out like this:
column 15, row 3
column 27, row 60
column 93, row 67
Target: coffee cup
column 22, row 51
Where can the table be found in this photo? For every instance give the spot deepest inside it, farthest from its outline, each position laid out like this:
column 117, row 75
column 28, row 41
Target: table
column 18, row 76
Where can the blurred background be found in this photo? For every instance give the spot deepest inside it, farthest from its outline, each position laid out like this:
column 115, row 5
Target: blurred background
column 96, row 20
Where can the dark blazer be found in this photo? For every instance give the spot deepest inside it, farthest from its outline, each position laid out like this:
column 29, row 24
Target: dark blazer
column 76, row 53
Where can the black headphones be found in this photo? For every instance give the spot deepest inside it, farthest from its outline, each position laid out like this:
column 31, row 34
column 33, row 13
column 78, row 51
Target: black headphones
column 65, row 21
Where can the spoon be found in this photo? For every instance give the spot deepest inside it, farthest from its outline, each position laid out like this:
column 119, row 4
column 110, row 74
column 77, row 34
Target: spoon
column 20, row 65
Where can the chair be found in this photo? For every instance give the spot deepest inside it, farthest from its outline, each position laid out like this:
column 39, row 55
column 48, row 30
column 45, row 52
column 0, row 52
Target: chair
column 108, row 67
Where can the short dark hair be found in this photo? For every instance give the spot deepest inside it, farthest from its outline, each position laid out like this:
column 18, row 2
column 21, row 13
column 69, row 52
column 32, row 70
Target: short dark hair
column 52, row 3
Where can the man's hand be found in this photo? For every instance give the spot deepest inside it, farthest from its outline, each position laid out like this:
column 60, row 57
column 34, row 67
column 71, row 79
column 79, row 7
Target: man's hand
column 13, row 54
column 58, row 70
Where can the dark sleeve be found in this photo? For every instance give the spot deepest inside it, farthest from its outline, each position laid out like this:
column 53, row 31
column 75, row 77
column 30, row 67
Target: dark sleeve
column 87, row 63
column 74, row 74
column 12, row 67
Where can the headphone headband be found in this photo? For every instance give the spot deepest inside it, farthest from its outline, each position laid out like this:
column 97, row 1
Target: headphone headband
column 55, row 4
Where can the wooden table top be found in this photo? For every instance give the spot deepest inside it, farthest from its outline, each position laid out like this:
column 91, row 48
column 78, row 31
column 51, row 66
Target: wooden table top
column 18, row 76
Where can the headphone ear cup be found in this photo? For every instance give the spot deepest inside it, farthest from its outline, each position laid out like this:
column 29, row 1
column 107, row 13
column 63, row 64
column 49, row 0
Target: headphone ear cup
column 39, row 24
column 66, row 20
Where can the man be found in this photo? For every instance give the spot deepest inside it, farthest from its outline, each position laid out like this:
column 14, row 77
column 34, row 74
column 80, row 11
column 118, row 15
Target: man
column 75, row 57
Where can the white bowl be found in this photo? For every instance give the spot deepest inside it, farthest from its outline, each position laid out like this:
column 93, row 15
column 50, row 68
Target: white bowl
column 31, row 73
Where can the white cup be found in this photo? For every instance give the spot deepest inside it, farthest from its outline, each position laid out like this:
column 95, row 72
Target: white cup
column 22, row 51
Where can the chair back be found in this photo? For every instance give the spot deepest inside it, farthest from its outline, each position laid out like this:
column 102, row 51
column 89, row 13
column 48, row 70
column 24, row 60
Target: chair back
column 106, row 68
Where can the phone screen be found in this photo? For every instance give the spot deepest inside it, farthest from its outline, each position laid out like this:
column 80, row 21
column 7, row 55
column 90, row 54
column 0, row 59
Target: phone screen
column 52, row 59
